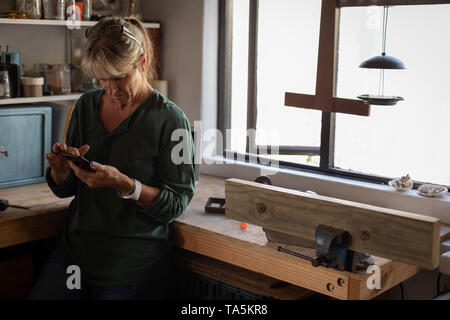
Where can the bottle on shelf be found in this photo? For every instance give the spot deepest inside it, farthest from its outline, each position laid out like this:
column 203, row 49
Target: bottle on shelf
column 14, row 77
column 4, row 83
column 60, row 9
column 87, row 10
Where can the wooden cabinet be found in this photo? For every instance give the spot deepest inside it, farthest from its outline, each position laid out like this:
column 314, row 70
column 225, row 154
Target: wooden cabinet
column 25, row 138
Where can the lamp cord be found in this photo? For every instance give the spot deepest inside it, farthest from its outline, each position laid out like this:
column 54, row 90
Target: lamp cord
column 385, row 21
column 383, row 53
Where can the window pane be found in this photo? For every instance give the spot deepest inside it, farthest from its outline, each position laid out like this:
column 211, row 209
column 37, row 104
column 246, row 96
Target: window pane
column 288, row 37
column 239, row 75
column 411, row 137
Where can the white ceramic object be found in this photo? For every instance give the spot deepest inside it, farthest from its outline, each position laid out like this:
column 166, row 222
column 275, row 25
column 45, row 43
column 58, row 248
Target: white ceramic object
column 396, row 184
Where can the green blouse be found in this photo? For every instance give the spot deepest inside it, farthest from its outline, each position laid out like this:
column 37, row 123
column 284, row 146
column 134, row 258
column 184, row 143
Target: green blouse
column 115, row 241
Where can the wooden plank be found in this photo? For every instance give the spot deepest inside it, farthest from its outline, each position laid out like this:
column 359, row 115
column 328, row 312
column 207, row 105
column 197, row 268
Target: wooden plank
column 326, row 60
column 325, row 99
column 21, row 225
column 393, row 234
column 32, row 195
column 366, row 3
column 300, row 101
column 391, row 275
column 341, row 105
column 260, row 259
column 238, row 277
column 351, row 106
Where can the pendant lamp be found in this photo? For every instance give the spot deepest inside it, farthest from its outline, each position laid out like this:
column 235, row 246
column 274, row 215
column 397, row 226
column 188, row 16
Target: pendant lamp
column 382, row 62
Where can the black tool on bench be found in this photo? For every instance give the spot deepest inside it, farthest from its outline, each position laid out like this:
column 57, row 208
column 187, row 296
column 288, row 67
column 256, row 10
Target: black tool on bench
column 332, row 251
column 3, row 204
column 215, row 205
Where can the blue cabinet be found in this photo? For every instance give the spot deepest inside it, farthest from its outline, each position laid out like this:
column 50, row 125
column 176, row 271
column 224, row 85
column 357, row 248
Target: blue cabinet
column 25, row 135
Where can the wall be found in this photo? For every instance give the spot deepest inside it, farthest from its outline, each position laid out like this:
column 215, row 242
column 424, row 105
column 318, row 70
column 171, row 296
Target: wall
column 50, row 41
column 181, row 50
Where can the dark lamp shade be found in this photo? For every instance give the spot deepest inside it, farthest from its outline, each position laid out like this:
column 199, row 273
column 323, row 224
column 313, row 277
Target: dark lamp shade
column 382, row 62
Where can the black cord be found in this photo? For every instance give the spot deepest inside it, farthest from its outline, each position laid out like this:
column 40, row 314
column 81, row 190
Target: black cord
column 402, row 290
column 439, row 292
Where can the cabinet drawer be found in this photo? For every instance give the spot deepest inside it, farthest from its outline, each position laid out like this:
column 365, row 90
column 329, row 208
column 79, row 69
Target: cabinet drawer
column 25, row 134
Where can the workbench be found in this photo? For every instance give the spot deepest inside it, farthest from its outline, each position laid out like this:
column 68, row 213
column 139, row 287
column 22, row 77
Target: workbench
column 213, row 239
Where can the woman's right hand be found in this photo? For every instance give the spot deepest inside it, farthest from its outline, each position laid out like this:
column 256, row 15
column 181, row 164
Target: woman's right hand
column 59, row 165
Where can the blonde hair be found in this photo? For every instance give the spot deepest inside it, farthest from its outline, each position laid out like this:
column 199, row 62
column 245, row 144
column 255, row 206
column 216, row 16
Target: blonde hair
column 111, row 55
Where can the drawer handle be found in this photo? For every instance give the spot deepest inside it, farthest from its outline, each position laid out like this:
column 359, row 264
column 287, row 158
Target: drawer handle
column 3, row 151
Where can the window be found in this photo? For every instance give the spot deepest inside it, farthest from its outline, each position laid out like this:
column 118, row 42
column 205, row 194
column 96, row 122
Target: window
column 411, row 137
column 273, row 49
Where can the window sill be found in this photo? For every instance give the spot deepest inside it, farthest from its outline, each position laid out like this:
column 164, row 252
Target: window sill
column 347, row 189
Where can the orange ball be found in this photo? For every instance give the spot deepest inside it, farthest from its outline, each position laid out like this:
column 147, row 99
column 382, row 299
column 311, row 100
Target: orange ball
column 243, row 225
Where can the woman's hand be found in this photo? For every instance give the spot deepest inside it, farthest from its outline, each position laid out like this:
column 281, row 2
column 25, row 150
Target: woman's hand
column 59, row 165
column 103, row 177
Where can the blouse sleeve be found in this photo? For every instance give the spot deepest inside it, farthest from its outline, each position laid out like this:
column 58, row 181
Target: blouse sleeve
column 176, row 172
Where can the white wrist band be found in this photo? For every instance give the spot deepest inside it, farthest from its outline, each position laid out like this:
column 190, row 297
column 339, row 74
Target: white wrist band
column 137, row 190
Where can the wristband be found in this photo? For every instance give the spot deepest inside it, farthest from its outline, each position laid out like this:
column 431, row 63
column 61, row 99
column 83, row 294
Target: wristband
column 137, row 190
column 133, row 194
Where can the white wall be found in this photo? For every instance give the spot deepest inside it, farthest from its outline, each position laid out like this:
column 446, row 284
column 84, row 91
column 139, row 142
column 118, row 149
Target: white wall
column 181, row 50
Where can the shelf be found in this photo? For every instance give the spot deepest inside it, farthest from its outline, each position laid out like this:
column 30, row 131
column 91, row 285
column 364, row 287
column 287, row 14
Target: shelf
column 66, row 97
column 70, row 24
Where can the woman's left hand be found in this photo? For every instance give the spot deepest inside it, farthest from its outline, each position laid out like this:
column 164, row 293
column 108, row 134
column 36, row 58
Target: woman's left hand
column 103, row 177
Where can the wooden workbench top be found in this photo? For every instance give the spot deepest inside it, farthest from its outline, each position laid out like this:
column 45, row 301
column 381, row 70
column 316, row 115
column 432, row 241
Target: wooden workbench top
column 38, row 214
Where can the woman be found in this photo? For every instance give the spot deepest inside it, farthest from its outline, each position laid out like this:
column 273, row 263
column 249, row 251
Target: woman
column 116, row 231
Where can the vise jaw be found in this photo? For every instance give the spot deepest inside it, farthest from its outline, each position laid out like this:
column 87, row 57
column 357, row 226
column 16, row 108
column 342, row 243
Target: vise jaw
column 332, row 250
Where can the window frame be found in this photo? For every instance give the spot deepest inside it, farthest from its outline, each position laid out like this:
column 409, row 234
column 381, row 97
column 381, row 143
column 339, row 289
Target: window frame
column 328, row 122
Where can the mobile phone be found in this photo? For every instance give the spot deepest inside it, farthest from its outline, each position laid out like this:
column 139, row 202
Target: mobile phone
column 79, row 161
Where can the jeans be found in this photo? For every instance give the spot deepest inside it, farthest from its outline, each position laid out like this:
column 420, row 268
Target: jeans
column 51, row 285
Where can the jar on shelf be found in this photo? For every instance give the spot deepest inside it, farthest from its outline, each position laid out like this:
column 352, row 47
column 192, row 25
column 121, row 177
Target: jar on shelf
column 32, row 8
column 49, row 9
column 41, row 70
column 61, row 9
column 32, row 87
column 59, row 79
column 4, row 83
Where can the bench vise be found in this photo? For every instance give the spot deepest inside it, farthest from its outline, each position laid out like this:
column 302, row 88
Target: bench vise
column 332, row 250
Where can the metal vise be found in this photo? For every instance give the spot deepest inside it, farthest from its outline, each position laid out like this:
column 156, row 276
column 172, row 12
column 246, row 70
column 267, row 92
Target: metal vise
column 332, row 250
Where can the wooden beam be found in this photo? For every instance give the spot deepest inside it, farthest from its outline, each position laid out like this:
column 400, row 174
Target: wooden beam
column 260, row 259
column 326, row 70
column 366, row 3
column 393, row 234
column 20, row 225
column 324, row 99
column 349, row 106
column 299, row 100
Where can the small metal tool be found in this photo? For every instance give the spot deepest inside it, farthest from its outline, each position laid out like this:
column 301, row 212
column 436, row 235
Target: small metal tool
column 332, row 251
column 281, row 249
column 3, row 204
